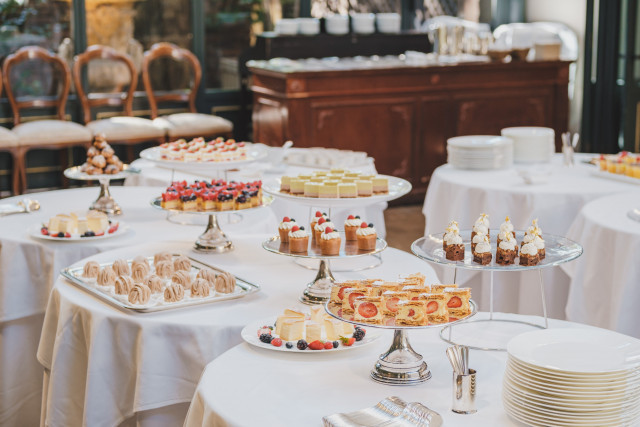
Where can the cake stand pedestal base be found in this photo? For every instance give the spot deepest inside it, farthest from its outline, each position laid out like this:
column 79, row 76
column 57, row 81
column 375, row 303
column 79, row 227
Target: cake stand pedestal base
column 105, row 203
column 634, row 214
column 319, row 291
column 400, row 365
column 213, row 239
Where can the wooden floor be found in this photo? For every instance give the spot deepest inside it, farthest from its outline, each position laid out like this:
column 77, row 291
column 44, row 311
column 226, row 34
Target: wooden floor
column 404, row 225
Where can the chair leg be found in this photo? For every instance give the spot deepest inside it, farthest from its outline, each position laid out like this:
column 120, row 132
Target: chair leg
column 64, row 162
column 21, row 178
column 129, row 148
column 16, row 171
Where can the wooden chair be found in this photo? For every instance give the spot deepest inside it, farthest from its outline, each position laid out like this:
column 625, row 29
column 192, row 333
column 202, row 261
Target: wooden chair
column 41, row 134
column 181, row 125
column 9, row 143
column 127, row 129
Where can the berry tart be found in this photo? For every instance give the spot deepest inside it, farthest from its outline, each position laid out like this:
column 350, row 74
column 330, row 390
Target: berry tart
column 298, row 239
column 319, row 228
column 351, row 225
column 366, row 236
column 330, row 241
column 285, row 226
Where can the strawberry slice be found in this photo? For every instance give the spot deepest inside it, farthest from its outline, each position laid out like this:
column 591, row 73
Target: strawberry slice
column 295, row 228
column 341, row 292
column 318, row 214
column 392, row 304
column 367, row 310
column 67, row 235
column 353, row 296
column 347, row 341
column 432, row 307
column 322, row 220
column 328, row 230
column 412, row 312
column 316, row 345
column 363, row 225
column 100, row 233
column 351, row 217
column 454, row 302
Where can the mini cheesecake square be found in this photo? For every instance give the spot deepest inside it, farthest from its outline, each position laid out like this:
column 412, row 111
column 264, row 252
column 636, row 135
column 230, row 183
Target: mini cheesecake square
column 414, row 291
column 458, row 301
column 328, row 191
column 296, row 186
column 380, row 185
column 365, row 188
column 347, row 190
column 311, row 189
column 368, row 309
column 292, row 329
column 439, row 289
column 350, row 296
column 436, row 307
column 390, row 301
column 285, row 184
column 412, row 313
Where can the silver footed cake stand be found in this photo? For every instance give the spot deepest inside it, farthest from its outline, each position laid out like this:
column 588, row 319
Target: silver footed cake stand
column 558, row 250
column 105, row 202
column 213, row 240
column 400, row 364
column 318, row 291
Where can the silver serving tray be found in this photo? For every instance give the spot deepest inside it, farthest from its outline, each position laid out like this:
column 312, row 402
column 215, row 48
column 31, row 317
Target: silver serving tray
column 74, row 275
column 389, row 412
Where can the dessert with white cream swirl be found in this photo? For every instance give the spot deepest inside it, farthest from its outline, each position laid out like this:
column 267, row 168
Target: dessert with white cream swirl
column 529, row 254
column 482, row 253
column 366, row 236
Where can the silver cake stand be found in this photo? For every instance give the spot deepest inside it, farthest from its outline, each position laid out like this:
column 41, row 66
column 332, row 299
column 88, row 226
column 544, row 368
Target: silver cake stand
column 634, row 214
column 319, row 290
column 558, row 250
column 105, row 202
column 213, row 239
column 400, row 364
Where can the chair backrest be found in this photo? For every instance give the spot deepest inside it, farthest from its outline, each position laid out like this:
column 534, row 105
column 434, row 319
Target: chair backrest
column 528, row 33
column 30, row 53
column 124, row 99
column 163, row 49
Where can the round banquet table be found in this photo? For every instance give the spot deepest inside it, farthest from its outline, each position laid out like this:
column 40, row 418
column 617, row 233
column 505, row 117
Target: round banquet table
column 284, row 389
column 462, row 195
column 604, row 287
column 154, row 175
column 104, row 366
column 29, row 267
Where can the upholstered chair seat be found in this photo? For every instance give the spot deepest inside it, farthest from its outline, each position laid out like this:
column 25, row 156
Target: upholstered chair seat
column 51, row 132
column 193, row 124
column 126, row 128
column 8, row 139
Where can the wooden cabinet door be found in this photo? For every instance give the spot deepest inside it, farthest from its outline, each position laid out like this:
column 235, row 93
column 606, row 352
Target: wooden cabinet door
column 269, row 121
column 383, row 127
column 436, row 125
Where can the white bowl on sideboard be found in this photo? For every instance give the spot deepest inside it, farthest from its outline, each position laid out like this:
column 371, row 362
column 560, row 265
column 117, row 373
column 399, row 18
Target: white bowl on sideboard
column 308, row 26
column 337, row 24
column 363, row 23
column 388, row 23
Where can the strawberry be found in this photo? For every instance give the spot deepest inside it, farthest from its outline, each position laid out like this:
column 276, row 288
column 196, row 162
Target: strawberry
column 367, row 310
column 347, row 341
column 316, row 345
column 276, row 342
column 67, row 235
column 432, row 307
column 44, row 231
column 264, row 330
column 351, row 217
column 363, row 225
column 318, row 214
column 328, row 230
column 328, row 345
column 113, row 228
column 353, row 296
column 454, row 302
column 392, row 304
column 100, row 233
column 295, row 228
column 321, row 220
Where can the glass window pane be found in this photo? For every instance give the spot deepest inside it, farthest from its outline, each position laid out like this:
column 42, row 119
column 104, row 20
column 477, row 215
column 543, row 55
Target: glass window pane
column 320, row 8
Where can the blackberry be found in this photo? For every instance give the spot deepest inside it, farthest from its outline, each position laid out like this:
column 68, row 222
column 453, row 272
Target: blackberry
column 358, row 334
column 370, row 225
column 302, row 345
column 289, row 344
column 60, row 234
column 266, row 338
column 336, row 344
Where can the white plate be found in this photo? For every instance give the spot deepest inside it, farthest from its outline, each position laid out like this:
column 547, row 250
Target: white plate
column 479, row 142
column 576, row 377
column 153, row 155
column 615, row 177
column 75, row 173
column 34, row 231
column 631, row 378
column 590, row 351
column 398, row 187
column 250, row 335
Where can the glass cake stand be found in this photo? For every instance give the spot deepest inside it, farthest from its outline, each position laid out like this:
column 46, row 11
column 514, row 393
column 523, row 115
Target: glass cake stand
column 634, row 214
column 104, row 203
column 319, row 290
column 558, row 250
column 213, row 239
column 400, row 364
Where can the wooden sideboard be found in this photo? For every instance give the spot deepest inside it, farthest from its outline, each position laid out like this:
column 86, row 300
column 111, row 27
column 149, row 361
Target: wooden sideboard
column 403, row 116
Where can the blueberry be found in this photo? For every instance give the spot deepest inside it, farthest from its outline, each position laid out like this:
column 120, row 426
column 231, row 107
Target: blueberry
column 293, row 220
column 370, row 225
column 324, row 214
column 60, row 234
column 357, row 216
column 302, row 345
column 289, row 344
column 336, row 344
column 266, row 338
column 358, row 334
column 302, row 228
column 328, row 220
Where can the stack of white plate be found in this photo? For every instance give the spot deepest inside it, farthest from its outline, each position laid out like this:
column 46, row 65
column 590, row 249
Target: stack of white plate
column 573, row 377
column 480, row 152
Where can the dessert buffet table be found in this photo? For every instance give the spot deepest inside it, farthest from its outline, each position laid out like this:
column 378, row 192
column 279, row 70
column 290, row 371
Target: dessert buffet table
column 104, row 366
column 555, row 198
column 153, row 175
column 299, row 389
column 29, row 267
column 604, row 281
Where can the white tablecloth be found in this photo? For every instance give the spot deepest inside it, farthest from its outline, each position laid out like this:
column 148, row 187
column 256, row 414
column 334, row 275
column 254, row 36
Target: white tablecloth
column 156, row 176
column 605, row 281
column 462, row 195
column 107, row 365
column 29, row 267
column 285, row 389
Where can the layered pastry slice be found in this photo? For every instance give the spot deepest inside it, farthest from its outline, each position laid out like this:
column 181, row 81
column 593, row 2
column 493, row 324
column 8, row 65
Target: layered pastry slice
column 390, row 301
column 338, row 290
column 415, row 278
column 414, row 291
column 439, row 289
column 350, row 295
column 368, row 309
column 436, row 307
column 412, row 313
column 458, row 301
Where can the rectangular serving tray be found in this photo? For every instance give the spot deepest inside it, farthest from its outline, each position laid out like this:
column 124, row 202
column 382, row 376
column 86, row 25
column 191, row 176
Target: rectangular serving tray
column 243, row 288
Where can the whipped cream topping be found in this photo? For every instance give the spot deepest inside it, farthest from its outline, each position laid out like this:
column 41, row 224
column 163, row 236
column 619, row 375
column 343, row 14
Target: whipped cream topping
column 504, row 235
column 528, row 238
column 538, row 242
column 529, row 249
column 366, row 231
column 453, row 239
column 480, row 228
column 534, row 229
column 453, row 226
column 507, row 245
column 324, row 225
column 353, row 222
column 506, row 226
column 479, row 237
column 483, row 247
column 329, row 236
column 298, row 234
column 483, row 219
column 287, row 225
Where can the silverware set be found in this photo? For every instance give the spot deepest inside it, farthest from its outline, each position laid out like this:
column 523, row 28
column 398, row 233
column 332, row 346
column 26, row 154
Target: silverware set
column 23, row 206
column 464, row 380
column 569, row 145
